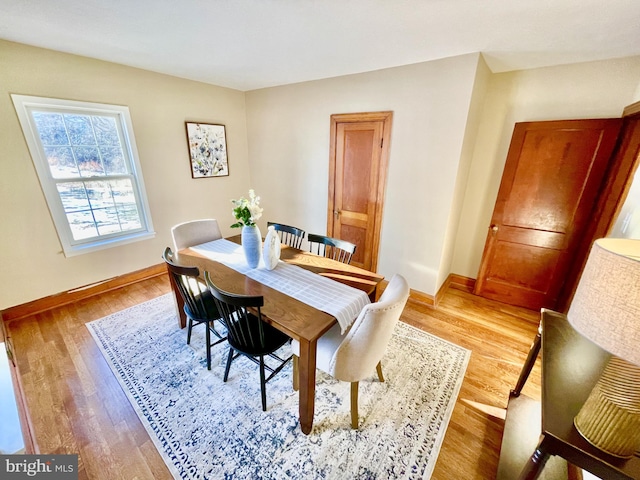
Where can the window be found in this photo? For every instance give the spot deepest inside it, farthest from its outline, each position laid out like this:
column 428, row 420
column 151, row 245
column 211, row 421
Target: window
column 87, row 162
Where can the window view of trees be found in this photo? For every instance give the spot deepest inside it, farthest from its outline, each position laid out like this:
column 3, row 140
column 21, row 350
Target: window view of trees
column 88, row 164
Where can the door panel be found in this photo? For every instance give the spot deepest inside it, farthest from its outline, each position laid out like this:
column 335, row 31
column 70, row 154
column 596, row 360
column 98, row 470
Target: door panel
column 356, row 186
column 551, row 181
column 357, row 150
column 357, row 159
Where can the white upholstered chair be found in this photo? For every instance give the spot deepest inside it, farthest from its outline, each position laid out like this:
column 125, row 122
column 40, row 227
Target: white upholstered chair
column 353, row 356
column 195, row 232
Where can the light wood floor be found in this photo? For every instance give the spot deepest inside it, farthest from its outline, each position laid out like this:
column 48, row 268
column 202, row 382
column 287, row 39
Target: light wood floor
column 77, row 406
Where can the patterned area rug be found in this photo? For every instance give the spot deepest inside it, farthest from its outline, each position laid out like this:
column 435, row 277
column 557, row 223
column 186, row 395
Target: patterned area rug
column 207, row 429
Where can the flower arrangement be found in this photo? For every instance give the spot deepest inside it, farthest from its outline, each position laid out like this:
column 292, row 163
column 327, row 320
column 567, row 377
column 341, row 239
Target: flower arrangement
column 247, row 211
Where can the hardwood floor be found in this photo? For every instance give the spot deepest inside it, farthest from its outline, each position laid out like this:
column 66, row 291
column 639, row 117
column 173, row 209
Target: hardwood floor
column 77, row 406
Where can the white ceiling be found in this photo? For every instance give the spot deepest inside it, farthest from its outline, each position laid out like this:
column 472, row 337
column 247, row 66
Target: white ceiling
column 250, row 44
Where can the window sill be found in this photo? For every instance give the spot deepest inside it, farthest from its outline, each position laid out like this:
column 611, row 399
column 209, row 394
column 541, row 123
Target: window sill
column 103, row 245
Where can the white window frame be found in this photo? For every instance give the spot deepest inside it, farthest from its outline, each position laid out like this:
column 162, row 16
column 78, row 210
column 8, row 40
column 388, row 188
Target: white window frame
column 24, row 106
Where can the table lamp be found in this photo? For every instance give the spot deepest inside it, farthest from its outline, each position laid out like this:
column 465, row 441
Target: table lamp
column 606, row 310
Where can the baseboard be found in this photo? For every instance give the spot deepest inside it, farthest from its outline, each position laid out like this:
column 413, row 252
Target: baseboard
column 47, row 303
column 421, row 297
column 462, row 283
column 453, row 281
column 65, row 298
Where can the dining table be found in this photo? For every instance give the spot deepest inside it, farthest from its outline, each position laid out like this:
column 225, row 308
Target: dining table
column 299, row 320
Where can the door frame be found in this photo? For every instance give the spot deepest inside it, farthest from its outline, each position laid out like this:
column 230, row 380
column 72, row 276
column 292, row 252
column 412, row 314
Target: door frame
column 385, row 117
column 624, row 163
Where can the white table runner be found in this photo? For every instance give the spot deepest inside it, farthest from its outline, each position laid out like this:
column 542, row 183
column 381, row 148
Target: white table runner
column 332, row 297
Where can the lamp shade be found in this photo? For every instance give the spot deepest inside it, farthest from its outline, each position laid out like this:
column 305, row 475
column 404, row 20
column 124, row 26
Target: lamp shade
column 606, row 305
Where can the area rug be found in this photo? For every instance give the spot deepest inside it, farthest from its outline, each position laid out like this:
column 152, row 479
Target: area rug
column 207, row 429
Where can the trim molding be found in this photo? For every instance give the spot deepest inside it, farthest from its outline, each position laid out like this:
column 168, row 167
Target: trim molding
column 632, row 109
column 47, row 303
column 462, row 283
column 453, row 281
column 414, row 295
column 70, row 296
column 422, row 297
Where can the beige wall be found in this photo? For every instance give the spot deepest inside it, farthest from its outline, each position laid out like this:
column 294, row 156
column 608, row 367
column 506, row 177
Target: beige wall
column 587, row 90
column 450, row 134
column 288, row 132
column 472, row 130
column 33, row 263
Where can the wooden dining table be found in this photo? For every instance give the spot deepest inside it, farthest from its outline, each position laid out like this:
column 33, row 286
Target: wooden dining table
column 298, row 320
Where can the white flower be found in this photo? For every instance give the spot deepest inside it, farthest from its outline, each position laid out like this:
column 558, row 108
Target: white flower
column 247, row 212
column 254, row 206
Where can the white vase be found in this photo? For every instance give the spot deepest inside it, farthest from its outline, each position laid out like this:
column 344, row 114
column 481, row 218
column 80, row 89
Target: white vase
column 252, row 244
column 271, row 249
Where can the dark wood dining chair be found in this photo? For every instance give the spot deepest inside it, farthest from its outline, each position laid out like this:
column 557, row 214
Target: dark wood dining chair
column 334, row 248
column 199, row 305
column 248, row 334
column 289, row 235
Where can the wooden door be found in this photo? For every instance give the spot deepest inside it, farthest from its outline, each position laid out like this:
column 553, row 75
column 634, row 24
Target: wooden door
column 550, row 185
column 357, row 176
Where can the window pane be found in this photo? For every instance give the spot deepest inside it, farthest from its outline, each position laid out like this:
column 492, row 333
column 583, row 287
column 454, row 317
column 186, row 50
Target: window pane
column 100, row 207
column 113, row 160
column 125, row 200
column 61, row 162
column 107, row 221
column 99, row 194
column 106, row 131
column 129, row 217
column 73, row 196
column 82, row 225
column 80, row 130
column 114, row 205
column 51, row 128
column 96, row 155
column 89, row 161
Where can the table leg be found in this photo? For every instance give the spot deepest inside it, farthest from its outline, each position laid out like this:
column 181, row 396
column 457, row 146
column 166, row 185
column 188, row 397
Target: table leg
column 536, row 462
column 528, row 364
column 373, row 296
column 307, row 383
column 179, row 303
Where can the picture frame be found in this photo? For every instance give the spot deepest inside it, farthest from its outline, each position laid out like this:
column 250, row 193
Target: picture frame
column 207, row 144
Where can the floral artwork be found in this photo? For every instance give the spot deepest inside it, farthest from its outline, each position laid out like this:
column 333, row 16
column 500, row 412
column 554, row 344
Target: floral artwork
column 208, row 150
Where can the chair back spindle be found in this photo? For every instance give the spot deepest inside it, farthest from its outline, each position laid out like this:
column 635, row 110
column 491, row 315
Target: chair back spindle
column 329, row 247
column 289, row 235
column 248, row 334
column 199, row 306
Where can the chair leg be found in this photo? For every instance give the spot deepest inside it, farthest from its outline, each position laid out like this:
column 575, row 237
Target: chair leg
column 189, row 331
column 295, row 374
column 354, row 405
column 263, row 385
column 379, row 370
column 229, row 360
column 208, row 341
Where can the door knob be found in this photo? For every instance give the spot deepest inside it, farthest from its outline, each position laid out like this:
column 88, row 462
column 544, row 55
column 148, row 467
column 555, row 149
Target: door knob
column 494, row 228
column 336, row 213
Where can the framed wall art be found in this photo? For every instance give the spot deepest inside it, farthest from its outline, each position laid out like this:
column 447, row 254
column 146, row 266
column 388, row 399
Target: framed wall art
column 207, row 150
